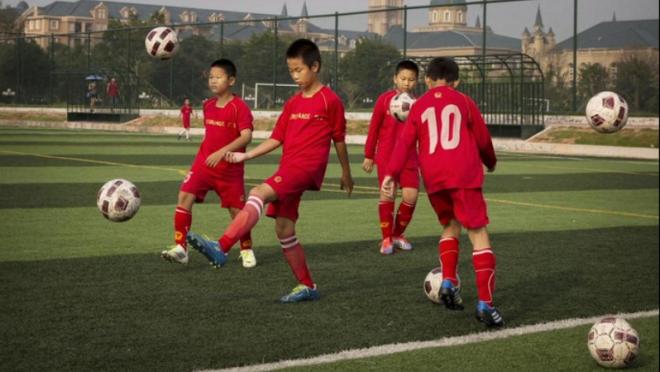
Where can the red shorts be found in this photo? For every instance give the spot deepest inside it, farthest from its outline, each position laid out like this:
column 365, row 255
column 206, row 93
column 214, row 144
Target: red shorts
column 231, row 190
column 289, row 184
column 408, row 178
column 465, row 205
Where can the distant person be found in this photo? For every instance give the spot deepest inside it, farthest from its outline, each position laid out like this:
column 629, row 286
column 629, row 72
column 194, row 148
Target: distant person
column 112, row 91
column 186, row 112
column 384, row 130
column 91, row 95
column 447, row 129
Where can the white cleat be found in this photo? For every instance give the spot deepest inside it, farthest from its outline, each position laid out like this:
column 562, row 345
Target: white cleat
column 248, row 258
column 177, row 254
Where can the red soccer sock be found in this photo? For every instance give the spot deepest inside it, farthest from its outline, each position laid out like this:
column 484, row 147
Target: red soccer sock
column 484, row 268
column 385, row 211
column 242, row 223
column 182, row 222
column 295, row 257
column 246, row 241
column 448, row 253
column 403, row 217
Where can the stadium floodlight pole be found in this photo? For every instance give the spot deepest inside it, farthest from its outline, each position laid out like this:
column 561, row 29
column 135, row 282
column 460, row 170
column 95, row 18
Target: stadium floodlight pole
column 335, row 78
column 405, row 31
column 89, row 50
column 575, row 69
column 222, row 38
column 51, row 64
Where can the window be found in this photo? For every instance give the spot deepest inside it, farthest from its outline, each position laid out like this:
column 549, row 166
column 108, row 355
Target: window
column 460, row 17
column 447, row 16
column 54, row 24
column 100, row 13
column 435, row 17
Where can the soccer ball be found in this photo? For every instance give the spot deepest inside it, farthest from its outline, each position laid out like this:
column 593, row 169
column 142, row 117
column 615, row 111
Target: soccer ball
column 607, row 112
column 118, row 200
column 400, row 106
column 433, row 282
column 161, row 43
column 613, row 343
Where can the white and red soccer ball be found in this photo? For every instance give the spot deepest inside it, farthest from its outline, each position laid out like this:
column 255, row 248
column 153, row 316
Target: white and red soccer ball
column 607, row 112
column 162, row 42
column 118, row 200
column 432, row 284
column 613, row 343
column 400, row 106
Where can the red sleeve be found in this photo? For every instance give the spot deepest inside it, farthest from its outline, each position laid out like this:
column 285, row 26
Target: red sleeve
column 404, row 146
column 280, row 127
column 245, row 118
column 377, row 118
column 481, row 135
column 338, row 121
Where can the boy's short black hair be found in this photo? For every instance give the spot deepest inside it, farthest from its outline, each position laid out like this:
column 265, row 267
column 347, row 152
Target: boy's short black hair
column 442, row 68
column 305, row 49
column 407, row 64
column 227, row 65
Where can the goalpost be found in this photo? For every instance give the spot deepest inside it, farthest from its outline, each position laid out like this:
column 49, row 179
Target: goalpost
column 282, row 94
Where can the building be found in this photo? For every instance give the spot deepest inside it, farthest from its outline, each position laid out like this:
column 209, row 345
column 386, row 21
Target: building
column 605, row 43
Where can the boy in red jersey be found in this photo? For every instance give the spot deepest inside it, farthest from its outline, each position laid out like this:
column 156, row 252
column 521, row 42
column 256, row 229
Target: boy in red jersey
column 453, row 142
column 186, row 112
column 228, row 127
column 384, row 130
column 310, row 120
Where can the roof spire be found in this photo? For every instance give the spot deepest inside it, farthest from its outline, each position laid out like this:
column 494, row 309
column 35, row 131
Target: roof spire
column 285, row 12
column 304, row 13
column 478, row 22
column 539, row 21
column 614, row 16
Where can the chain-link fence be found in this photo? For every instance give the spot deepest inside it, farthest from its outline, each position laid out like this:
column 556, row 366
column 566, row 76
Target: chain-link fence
column 359, row 52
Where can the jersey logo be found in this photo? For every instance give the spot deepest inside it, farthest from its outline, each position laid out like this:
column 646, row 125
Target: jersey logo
column 300, row 116
column 438, row 95
column 178, row 235
column 277, row 179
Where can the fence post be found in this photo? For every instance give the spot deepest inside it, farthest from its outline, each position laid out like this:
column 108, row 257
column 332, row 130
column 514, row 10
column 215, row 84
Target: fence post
column 51, row 59
column 335, row 78
column 575, row 67
column 483, row 53
column 222, row 38
column 405, row 31
column 89, row 51
column 275, row 61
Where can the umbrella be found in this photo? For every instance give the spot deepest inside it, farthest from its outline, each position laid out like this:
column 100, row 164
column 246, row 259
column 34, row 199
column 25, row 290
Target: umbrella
column 94, row 77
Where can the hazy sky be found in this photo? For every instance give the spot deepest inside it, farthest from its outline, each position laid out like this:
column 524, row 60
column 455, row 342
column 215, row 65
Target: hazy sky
column 505, row 18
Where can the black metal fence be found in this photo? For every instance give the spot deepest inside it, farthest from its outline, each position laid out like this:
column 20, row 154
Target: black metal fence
column 37, row 69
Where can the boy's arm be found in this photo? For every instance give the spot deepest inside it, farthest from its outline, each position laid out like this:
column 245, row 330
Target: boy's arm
column 346, row 182
column 243, row 139
column 400, row 155
column 482, row 137
column 263, row 148
column 377, row 118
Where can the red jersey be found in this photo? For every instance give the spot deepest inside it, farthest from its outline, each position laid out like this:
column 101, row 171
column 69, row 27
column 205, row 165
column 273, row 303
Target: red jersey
column 186, row 111
column 384, row 131
column 222, row 125
column 305, row 128
column 452, row 140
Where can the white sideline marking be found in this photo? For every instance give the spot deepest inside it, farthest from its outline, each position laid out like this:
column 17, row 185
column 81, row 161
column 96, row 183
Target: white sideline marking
column 442, row 342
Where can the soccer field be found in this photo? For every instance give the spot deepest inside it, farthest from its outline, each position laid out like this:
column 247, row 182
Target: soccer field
column 574, row 237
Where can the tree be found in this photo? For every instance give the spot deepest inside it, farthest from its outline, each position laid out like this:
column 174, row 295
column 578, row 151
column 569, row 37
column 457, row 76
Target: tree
column 366, row 71
column 637, row 82
column 8, row 16
column 594, row 78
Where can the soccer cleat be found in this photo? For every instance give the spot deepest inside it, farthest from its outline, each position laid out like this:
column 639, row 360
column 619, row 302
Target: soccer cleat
column 210, row 249
column 450, row 295
column 402, row 243
column 386, row 247
column 176, row 254
column 489, row 315
column 248, row 258
column 301, row 293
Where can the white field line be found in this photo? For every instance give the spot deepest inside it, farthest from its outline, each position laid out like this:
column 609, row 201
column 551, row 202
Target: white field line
column 442, row 342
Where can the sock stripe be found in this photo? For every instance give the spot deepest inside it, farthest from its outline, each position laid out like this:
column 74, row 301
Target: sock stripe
column 408, row 204
column 447, row 239
column 182, row 210
column 483, row 251
column 255, row 205
column 290, row 243
column 256, row 200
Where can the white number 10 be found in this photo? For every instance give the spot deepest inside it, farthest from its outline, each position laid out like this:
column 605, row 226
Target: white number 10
column 450, row 131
